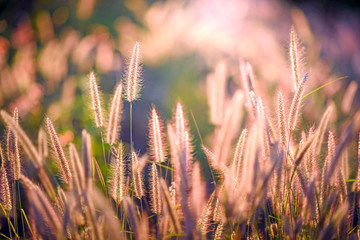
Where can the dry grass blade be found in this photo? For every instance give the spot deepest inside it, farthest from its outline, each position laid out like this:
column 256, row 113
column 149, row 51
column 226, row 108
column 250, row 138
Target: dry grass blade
column 131, row 214
column 229, row 129
column 247, row 80
column 42, row 144
column 111, row 229
column 216, row 91
column 198, row 192
column 91, row 216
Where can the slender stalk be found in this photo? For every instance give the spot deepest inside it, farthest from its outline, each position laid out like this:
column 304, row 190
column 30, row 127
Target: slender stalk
column 105, row 161
column 131, row 137
column 14, row 205
column 20, row 206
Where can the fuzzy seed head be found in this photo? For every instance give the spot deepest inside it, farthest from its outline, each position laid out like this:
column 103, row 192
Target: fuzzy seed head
column 59, row 153
column 296, row 104
column 157, row 147
column 137, row 176
column 294, row 59
column 180, row 125
column 26, row 143
column 155, row 190
column 115, row 116
column 238, row 162
column 13, row 153
column 281, row 121
column 133, row 78
column 5, row 193
column 95, row 99
column 117, row 186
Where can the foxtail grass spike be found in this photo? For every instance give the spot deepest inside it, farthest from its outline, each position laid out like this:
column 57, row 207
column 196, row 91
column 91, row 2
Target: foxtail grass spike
column 117, row 186
column 294, row 59
column 77, row 169
column 115, row 116
column 327, row 162
column 95, row 99
column 43, row 206
column 137, row 175
column 322, row 129
column 155, row 197
column 13, row 153
column 296, row 104
column 282, row 121
column 133, row 79
column 5, row 193
column 59, row 152
column 157, row 147
column 26, row 143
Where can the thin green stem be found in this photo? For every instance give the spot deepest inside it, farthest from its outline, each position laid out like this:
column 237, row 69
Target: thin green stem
column 20, row 207
column 105, row 160
column 9, row 228
column 131, row 137
column 14, row 204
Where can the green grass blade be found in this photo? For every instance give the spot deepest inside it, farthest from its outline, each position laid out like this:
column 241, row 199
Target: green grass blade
column 5, row 236
column 322, row 86
column 7, row 216
column 26, row 219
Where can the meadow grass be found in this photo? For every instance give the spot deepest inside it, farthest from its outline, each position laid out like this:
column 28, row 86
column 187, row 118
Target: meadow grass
column 280, row 180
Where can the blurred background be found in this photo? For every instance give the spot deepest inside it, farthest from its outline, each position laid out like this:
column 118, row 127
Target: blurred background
column 48, row 48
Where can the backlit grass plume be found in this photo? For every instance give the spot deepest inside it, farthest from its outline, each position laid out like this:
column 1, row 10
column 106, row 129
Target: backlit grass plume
column 133, row 75
column 59, row 153
column 118, row 169
column 13, row 152
column 95, row 99
column 155, row 197
column 294, row 58
column 5, row 191
column 157, row 147
column 115, row 116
